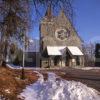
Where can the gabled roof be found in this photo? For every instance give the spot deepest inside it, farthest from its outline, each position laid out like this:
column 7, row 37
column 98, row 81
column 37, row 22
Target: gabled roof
column 60, row 50
column 75, row 51
column 55, row 50
column 62, row 13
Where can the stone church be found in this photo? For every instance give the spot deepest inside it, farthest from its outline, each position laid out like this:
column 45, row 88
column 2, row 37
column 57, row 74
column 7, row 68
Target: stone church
column 60, row 44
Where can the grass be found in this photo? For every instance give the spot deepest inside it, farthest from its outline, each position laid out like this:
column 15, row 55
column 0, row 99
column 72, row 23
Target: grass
column 11, row 84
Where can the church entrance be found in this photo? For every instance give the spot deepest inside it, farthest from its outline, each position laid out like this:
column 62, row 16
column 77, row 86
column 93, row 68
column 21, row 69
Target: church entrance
column 77, row 60
column 61, row 56
column 67, row 59
column 57, row 60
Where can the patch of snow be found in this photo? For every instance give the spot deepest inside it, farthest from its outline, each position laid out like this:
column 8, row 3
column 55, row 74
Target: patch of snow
column 89, row 68
column 12, row 66
column 55, row 88
column 2, row 97
column 7, row 91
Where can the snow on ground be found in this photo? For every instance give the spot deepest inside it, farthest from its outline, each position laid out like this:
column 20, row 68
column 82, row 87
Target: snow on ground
column 89, row 68
column 55, row 88
column 2, row 97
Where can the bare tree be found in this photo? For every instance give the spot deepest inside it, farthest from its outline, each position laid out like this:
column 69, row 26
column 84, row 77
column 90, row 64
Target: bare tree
column 56, row 5
column 15, row 17
column 89, row 54
column 13, row 22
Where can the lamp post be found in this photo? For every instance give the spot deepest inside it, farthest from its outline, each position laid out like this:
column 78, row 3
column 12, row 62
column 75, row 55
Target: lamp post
column 23, row 61
column 30, row 48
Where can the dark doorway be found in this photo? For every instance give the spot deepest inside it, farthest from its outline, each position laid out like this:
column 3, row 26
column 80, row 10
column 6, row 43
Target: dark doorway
column 77, row 60
column 56, row 60
column 67, row 59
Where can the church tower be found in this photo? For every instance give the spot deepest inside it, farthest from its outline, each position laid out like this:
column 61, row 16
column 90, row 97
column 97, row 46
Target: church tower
column 57, row 31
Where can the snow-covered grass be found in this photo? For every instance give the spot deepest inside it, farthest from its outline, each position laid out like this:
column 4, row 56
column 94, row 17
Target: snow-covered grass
column 55, row 88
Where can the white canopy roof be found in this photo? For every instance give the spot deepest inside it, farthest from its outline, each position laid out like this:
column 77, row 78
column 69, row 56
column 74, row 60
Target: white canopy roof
column 75, row 50
column 55, row 50
column 59, row 50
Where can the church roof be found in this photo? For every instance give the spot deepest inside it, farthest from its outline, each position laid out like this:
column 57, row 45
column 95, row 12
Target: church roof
column 55, row 50
column 75, row 51
column 62, row 14
column 60, row 20
column 60, row 50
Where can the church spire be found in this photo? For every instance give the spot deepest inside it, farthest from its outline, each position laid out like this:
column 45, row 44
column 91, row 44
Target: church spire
column 48, row 13
column 62, row 13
